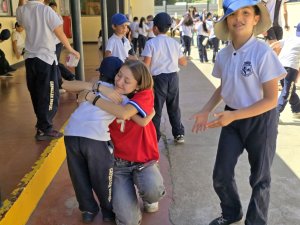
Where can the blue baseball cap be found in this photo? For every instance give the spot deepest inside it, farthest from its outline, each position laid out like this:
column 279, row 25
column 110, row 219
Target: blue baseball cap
column 230, row 6
column 162, row 20
column 119, row 19
column 110, row 66
column 298, row 30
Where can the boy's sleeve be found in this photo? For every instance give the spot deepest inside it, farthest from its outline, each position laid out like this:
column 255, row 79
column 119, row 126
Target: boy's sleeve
column 109, row 46
column 53, row 19
column 147, row 50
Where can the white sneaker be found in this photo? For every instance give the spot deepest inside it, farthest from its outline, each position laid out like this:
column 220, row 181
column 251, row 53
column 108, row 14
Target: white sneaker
column 179, row 139
column 150, row 208
column 61, row 91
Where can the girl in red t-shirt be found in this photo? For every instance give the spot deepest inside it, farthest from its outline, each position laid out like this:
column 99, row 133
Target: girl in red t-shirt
column 135, row 146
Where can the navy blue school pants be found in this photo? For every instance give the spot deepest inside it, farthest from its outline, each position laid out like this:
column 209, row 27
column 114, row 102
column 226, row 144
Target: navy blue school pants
column 166, row 90
column 258, row 136
column 288, row 93
column 90, row 164
column 42, row 83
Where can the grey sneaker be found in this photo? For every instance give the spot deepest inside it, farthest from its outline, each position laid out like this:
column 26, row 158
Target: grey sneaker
column 150, row 208
column 179, row 139
column 296, row 115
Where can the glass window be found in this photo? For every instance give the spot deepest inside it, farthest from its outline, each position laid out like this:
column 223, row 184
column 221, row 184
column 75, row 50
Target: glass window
column 90, row 7
column 4, row 7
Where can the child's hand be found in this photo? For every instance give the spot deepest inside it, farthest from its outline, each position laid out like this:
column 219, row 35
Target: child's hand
column 83, row 96
column 222, row 119
column 110, row 93
column 200, row 121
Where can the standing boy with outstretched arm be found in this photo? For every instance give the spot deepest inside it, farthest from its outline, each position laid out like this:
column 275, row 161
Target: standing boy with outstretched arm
column 42, row 24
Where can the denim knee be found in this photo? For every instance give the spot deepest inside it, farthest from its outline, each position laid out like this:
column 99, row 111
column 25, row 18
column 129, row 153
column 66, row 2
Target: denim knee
column 152, row 194
column 129, row 219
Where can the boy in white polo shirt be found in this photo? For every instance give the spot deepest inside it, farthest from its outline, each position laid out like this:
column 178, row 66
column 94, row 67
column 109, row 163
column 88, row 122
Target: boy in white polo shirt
column 249, row 71
column 118, row 45
column 42, row 24
column 163, row 55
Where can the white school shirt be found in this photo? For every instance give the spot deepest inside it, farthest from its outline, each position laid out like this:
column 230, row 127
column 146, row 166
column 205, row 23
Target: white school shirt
column 187, row 30
column 150, row 27
column 201, row 31
column 134, row 26
column 243, row 71
column 117, row 48
column 39, row 21
column 90, row 121
column 143, row 30
column 290, row 53
column 164, row 52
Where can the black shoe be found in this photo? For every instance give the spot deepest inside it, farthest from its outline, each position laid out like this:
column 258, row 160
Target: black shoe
column 88, row 217
column 42, row 136
column 222, row 221
column 108, row 215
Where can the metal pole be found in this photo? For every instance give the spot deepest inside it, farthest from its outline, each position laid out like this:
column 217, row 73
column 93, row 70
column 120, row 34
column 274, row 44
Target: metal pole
column 104, row 25
column 77, row 37
column 207, row 6
column 117, row 6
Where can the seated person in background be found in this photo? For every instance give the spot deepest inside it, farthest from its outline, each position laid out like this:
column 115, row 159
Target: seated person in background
column 18, row 40
column 5, row 68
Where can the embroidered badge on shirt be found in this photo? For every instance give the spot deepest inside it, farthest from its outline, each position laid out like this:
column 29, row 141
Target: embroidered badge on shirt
column 247, row 69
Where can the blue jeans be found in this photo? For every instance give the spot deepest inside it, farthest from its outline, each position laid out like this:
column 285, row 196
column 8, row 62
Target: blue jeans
column 127, row 176
column 288, row 93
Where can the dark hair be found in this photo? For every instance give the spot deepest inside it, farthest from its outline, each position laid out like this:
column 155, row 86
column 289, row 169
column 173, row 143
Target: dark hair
column 188, row 20
column 204, row 26
column 17, row 25
column 135, row 18
column 52, row 4
column 141, row 22
column 256, row 10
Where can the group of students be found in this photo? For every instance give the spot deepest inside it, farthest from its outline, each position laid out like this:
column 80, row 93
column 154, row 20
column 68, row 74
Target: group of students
column 111, row 138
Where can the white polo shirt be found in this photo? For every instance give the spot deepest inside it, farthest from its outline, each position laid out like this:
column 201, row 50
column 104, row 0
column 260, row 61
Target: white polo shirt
column 90, row 121
column 117, row 48
column 39, row 21
column 290, row 53
column 243, row 71
column 164, row 52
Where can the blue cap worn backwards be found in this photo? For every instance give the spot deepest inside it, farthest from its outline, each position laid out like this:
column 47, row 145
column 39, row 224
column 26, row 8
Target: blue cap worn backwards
column 230, row 6
column 110, row 66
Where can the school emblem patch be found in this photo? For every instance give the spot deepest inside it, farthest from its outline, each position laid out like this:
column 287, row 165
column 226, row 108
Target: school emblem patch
column 247, row 69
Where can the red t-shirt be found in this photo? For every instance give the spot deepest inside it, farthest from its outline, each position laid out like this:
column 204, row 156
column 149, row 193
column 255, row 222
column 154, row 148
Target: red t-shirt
column 133, row 142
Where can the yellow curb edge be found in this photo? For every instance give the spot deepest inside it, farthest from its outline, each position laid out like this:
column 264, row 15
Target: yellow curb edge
column 24, row 199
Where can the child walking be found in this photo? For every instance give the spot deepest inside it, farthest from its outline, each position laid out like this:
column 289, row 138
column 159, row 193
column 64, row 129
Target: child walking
column 290, row 58
column 135, row 147
column 163, row 55
column 249, row 88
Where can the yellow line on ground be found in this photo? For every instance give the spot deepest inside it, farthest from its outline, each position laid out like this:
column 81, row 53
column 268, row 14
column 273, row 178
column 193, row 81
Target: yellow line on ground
column 24, row 199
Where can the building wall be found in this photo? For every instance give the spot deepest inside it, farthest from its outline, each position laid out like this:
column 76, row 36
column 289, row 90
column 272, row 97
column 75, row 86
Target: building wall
column 142, row 8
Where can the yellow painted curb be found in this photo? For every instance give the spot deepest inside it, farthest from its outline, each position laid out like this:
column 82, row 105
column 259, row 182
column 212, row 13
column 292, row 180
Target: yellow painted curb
column 24, row 199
